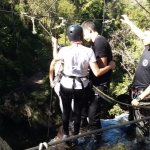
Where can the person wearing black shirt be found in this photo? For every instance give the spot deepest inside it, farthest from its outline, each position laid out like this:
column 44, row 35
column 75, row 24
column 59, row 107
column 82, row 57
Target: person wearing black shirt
column 141, row 81
column 103, row 55
column 142, row 73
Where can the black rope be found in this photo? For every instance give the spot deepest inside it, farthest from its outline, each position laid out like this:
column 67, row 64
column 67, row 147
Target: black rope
column 142, row 7
column 50, row 34
column 35, row 16
column 91, row 132
column 113, row 101
column 51, row 6
column 103, row 23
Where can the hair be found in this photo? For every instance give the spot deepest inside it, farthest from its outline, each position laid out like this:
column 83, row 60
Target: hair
column 88, row 25
column 147, row 28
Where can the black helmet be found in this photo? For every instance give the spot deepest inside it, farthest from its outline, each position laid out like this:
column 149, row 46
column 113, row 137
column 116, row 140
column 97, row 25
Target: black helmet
column 75, row 32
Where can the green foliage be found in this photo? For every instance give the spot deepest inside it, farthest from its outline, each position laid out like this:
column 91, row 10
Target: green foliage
column 39, row 7
column 91, row 11
column 122, row 87
column 24, row 53
column 116, row 110
column 21, row 52
column 20, row 7
column 126, row 54
column 66, row 9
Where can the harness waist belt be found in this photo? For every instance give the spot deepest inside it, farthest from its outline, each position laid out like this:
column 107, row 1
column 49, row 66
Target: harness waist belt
column 138, row 88
column 74, row 77
column 79, row 80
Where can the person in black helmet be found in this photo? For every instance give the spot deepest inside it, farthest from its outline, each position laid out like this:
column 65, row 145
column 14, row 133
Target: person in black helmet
column 58, row 70
column 73, row 86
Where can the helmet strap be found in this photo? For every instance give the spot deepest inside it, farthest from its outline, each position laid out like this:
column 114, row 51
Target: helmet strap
column 77, row 43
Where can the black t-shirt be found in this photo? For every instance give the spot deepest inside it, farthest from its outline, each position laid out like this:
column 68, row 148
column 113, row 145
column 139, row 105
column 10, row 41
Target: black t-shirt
column 142, row 73
column 101, row 48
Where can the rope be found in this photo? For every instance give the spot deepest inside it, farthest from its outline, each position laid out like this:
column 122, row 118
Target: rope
column 50, row 34
column 142, row 7
column 103, row 23
column 91, row 132
column 113, row 101
column 68, row 19
column 50, row 6
column 35, row 16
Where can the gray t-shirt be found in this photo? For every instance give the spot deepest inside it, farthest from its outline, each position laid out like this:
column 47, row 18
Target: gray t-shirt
column 77, row 59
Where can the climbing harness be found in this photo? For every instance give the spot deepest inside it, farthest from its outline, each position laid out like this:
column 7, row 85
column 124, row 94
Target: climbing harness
column 142, row 127
column 79, row 79
column 57, row 79
column 59, row 75
column 136, row 90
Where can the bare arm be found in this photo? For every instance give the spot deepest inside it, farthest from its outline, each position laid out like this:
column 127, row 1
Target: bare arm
column 145, row 93
column 141, row 96
column 102, row 62
column 51, row 69
column 133, row 27
column 51, row 72
column 100, row 71
column 55, row 46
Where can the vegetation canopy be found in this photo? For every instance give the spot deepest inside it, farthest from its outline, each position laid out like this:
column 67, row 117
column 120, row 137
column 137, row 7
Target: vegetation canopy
column 26, row 27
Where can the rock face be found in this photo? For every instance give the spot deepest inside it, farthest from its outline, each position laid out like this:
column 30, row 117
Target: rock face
column 122, row 138
column 117, row 138
column 110, row 139
column 4, row 145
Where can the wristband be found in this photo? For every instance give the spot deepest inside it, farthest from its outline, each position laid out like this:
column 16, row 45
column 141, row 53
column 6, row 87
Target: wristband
column 138, row 99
